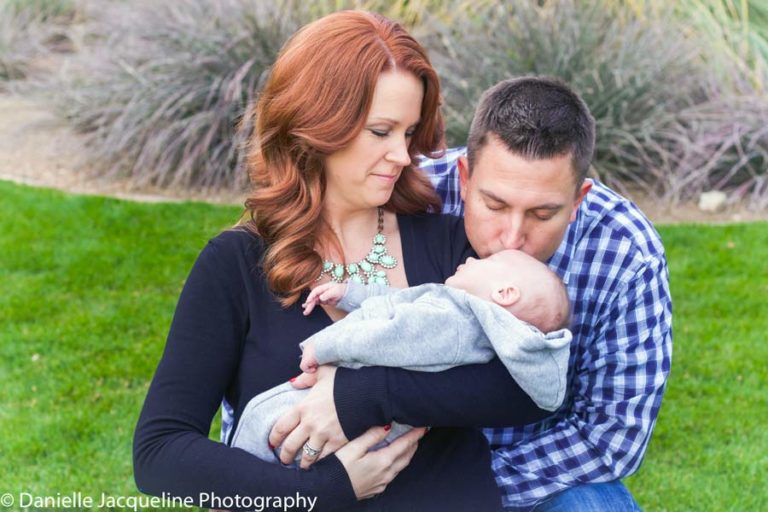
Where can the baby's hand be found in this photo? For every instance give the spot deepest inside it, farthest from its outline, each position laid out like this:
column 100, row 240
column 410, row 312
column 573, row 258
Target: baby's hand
column 308, row 361
column 328, row 294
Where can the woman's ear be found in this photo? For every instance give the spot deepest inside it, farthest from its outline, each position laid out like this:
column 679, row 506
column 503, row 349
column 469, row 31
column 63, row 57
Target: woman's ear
column 505, row 296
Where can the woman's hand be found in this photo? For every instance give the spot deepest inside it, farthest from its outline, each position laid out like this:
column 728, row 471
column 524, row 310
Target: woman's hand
column 312, row 422
column 371, row 472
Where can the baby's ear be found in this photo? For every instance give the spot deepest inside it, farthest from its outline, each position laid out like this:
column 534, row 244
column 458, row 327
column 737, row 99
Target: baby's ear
column 505, row 296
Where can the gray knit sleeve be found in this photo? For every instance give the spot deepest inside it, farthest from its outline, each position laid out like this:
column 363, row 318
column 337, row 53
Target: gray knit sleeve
column 356, row 293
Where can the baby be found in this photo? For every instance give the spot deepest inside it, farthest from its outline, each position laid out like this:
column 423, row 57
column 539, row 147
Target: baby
column 508, row 305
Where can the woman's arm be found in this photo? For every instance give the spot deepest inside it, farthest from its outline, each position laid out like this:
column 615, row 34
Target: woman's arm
column 172, row 452
column 478, row 395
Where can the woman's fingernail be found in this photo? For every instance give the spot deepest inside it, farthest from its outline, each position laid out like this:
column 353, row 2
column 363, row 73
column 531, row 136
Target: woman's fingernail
column 270, row 445
column 387, row 428
column 292, row 379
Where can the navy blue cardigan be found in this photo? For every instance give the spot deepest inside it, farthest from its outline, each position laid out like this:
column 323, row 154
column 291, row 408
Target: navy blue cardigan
column 230, row 337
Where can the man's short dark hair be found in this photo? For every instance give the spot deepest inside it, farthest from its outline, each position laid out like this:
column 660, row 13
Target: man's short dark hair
column 536, row 118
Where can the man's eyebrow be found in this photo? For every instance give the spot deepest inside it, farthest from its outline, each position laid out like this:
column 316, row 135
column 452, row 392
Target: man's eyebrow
column 491, row 195
column 546, row 206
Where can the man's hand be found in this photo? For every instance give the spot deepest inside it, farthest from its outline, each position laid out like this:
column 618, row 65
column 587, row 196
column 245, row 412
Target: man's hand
column 327, row 294
column 313, row 421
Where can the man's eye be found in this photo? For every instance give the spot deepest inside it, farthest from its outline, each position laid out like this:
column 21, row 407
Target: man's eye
column 494, row 207
column 543, row 216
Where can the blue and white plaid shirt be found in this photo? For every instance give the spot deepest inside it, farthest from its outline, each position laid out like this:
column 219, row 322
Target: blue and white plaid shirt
column 612, row 263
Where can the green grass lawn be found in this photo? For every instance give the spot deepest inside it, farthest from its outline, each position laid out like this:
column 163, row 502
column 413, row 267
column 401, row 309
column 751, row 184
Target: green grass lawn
column 89, row 286
column 710, row 447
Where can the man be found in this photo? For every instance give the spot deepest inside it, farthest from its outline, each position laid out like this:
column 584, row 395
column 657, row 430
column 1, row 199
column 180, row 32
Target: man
column 522, row 182
column 523, row 186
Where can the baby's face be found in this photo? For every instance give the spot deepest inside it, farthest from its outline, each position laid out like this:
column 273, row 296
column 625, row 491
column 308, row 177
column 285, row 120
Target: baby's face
column 480, row 277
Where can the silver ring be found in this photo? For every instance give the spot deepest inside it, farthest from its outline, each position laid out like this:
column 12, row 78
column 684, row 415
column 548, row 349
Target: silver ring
column 309, row 451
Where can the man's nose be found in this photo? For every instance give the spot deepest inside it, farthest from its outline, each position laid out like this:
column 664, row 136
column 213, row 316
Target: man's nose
column 513, row 235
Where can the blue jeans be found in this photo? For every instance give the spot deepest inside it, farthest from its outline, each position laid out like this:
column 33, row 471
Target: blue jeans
column 605, row 497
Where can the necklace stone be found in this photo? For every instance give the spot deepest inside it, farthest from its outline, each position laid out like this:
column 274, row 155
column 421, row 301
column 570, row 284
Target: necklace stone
column 365, row 271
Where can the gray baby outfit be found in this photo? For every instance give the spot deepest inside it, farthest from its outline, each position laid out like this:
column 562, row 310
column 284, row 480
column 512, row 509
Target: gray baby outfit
column 428, row 328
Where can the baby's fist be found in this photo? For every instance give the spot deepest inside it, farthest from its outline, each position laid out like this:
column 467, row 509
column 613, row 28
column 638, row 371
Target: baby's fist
column 328, row 294
column 308, row 359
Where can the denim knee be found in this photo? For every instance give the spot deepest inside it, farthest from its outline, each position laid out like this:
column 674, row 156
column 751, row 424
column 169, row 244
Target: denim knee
column 602, row 497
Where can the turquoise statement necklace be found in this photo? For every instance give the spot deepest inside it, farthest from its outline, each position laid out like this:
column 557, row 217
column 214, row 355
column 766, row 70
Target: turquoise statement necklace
column 364, row 271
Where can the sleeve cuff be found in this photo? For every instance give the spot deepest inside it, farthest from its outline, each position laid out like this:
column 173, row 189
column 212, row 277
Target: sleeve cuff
column 329, row 483
column 360, row 397
column 327, row 351
column 353, row 297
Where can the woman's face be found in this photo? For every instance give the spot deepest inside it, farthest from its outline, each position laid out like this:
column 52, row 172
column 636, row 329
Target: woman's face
column 363, row 174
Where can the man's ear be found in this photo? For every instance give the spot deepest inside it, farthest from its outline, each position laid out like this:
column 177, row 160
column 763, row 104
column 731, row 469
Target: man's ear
column 463, row 165
column 505, row 296
column 585, row 187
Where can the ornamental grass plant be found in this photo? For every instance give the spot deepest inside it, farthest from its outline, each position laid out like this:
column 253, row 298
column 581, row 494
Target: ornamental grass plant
column 17, row 48
column 161, row 92
column 55, row 11
column 164, row 91
column 674, row 117
column 30, row 29
column 736, row 29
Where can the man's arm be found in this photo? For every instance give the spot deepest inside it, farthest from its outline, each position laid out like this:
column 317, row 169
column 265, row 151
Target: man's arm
column 618, row 389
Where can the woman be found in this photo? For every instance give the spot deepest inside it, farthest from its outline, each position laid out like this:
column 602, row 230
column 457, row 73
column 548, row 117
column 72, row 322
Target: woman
column 350, row 101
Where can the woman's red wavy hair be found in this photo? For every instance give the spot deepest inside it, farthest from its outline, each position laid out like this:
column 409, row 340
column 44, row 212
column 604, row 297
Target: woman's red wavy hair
column 315, row 102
